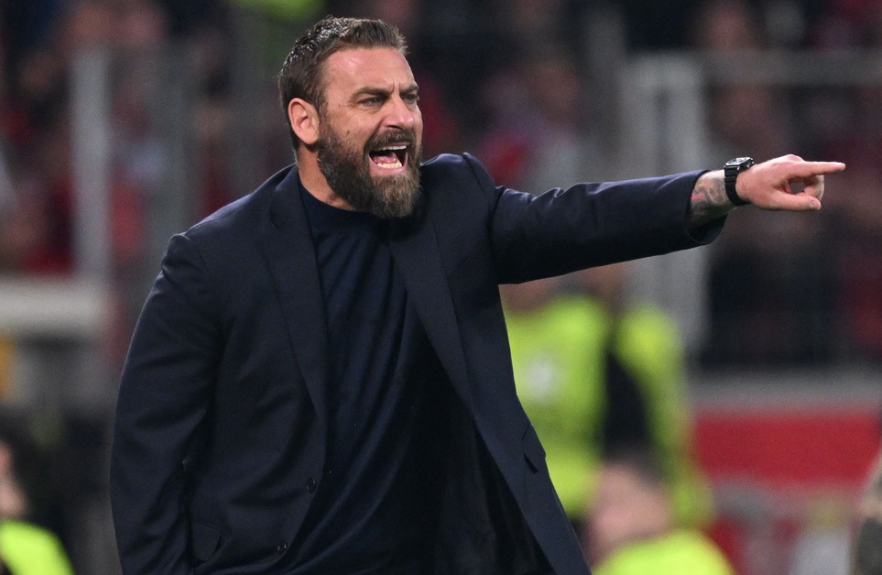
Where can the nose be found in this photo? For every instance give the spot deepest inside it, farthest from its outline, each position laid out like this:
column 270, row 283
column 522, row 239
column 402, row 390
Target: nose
column 402, row 114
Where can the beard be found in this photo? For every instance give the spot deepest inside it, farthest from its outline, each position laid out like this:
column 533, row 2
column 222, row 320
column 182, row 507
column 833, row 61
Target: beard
column 348, row 174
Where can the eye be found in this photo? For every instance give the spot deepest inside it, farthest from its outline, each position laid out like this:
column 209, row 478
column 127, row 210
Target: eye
column 371, row 101
column 411, row 98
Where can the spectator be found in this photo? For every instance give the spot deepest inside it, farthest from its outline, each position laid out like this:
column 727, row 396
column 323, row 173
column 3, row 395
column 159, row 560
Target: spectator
column 780, row 315
column 540, row 133
column 856, row 226
column 598, row 374
column 631, row 528
column 25, row 548
column 726, row 26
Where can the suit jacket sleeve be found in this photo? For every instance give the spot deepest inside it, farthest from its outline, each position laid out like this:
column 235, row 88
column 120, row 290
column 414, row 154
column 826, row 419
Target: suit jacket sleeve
column 164, row 396
column 588, row 224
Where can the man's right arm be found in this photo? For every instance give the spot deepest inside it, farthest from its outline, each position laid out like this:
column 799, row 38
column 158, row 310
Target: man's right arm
column 788, row 183
column 164, row 395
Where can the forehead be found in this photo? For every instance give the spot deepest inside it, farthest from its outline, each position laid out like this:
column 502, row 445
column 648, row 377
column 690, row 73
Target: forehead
column 350, row 70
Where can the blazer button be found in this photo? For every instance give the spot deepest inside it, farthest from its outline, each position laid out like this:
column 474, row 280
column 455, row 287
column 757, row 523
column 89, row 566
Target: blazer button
column 310, row 484
column 282, row 547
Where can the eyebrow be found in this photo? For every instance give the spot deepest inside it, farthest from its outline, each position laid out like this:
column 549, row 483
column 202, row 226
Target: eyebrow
column 385, row 92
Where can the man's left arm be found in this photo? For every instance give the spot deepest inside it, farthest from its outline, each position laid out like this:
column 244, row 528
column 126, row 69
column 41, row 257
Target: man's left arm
column 788, row 183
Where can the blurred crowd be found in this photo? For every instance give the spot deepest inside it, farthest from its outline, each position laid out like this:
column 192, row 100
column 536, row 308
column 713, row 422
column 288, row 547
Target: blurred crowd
column 507, row 80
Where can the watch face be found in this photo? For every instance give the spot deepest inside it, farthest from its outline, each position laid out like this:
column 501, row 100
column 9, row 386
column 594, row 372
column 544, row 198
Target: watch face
column 744, row 162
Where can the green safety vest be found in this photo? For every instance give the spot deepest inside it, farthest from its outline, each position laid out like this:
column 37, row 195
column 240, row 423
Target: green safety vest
column 678, row 553
column 559, row 362
column 26, row 549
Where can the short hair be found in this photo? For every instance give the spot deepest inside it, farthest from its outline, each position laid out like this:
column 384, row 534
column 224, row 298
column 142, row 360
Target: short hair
column 302, row 72
column 641, row 460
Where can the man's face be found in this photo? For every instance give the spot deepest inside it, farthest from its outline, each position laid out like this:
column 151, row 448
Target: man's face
column 370, row 137
column 625, row 508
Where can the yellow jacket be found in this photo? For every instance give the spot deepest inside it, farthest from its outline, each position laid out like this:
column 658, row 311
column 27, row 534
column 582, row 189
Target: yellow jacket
column 559, row 363
column 26, row 549
column 678, row 553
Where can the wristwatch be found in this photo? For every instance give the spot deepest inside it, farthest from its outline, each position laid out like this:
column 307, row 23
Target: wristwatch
column 731, row 169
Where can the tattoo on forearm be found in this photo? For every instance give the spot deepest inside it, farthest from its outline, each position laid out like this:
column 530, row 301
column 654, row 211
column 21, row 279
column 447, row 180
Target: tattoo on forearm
column 709, row 200
column 868, row 546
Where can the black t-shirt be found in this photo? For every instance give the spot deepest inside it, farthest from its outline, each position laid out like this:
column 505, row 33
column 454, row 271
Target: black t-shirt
column 373, row 509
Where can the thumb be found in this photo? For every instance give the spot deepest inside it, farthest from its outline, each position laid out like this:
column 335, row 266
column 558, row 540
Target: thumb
column 799, row 202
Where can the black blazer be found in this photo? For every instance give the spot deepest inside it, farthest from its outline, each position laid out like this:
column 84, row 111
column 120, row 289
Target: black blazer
column 221, row 419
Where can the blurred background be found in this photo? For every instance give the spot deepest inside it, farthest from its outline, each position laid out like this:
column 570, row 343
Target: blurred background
column 125, row 121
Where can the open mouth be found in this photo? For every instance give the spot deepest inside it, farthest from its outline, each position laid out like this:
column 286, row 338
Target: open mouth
column 390, row 157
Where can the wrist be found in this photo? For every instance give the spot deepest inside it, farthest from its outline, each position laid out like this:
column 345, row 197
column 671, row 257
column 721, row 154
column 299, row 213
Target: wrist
column 731, row 170
column 708, row 201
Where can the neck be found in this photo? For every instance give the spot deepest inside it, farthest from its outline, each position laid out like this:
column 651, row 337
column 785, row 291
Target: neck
column 314, row 180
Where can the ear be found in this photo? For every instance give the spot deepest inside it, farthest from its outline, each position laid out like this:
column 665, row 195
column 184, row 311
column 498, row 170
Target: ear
column 304, row 120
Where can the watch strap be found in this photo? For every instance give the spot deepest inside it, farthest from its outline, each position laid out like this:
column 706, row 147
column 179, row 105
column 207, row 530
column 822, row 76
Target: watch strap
column 730, row 175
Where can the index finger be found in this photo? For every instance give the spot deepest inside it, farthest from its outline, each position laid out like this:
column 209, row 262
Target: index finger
column 808, row 169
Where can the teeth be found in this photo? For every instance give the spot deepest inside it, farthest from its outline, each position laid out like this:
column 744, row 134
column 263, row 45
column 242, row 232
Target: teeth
column 395, row 164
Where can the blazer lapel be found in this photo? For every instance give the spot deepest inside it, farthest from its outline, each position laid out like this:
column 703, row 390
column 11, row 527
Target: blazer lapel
column 291, row 258
column 416, row 252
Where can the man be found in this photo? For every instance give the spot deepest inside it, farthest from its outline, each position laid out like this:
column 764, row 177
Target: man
column 319, row 381
column 25, row 547
column 631, row 523
column 597, row 373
